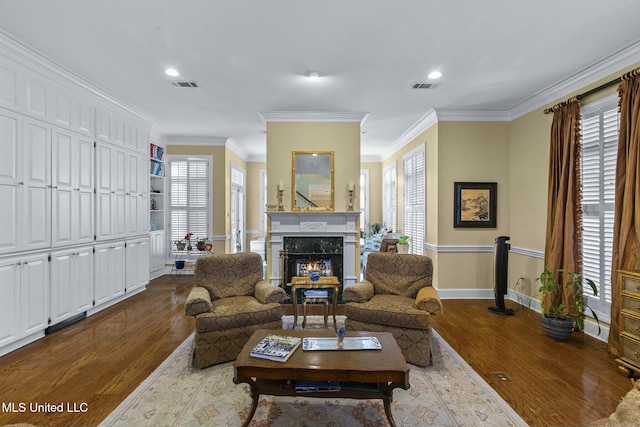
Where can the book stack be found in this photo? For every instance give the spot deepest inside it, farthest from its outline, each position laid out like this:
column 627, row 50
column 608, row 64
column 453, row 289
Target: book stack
column 316, row 293
column 309, row 386
column 156, row 152
column 276, row 347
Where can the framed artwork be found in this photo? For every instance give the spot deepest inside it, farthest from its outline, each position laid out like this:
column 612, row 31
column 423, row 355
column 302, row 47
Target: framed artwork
column 474, row 204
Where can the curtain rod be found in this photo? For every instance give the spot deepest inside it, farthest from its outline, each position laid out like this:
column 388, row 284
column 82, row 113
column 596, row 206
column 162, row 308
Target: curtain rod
column 625, row 76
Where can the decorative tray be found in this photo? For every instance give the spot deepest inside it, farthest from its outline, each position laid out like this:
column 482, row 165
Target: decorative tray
column 349, row 343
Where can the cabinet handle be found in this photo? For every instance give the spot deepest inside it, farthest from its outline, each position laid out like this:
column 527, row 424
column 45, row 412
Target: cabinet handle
column 127, row 194
column 21, row 183
column 52, row 186
column 113, row 192
column 76, row 189
column 19, row 263
column 25, row 262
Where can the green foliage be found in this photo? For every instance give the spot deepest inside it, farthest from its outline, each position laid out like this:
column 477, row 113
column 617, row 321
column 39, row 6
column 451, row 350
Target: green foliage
column 403, row 240
column 552, row 288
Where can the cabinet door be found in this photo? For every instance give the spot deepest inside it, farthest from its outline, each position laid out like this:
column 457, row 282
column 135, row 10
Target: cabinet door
column 36, row 209
column 101, row 274
column 117, row 270
column 84, row 279
column 157, row 251
column 84, row 192
column 11, row 181
column 105, row 196
column 10, row 301
column 34, row 294
column 63, row 152
column 62, row 285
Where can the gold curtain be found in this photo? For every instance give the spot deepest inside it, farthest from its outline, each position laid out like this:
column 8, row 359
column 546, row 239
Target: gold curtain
column 563, row 244
column 626, row 235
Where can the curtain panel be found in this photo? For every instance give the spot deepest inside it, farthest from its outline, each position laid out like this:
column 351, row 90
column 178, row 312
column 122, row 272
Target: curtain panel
column 626, row 233
column 563, row 244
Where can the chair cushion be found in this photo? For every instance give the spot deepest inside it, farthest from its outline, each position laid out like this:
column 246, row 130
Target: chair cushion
column 237, row 312
column 228, row 275
column 398, row 274
column 391, row 310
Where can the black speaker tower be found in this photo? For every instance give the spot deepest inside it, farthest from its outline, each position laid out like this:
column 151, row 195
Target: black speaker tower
column 500, row 271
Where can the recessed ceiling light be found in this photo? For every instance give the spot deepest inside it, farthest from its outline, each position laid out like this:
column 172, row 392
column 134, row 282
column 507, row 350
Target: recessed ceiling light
column 312, row 74
column 171, row 72
column 435, row 75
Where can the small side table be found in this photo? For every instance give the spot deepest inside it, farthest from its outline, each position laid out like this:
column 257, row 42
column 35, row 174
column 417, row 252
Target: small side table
column 324, row 282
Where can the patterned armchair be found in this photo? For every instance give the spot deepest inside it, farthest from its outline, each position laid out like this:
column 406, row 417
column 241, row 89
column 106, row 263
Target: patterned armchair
column 396, row 296
column 230, row 301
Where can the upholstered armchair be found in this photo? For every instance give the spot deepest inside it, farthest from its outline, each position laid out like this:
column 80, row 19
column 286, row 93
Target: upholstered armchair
column 230, row 301
column 396, row 296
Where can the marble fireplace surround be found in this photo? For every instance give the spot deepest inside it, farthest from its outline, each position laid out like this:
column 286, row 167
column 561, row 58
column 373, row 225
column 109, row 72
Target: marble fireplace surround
column 316, row 224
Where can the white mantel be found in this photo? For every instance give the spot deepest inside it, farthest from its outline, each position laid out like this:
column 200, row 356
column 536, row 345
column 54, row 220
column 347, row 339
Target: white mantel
column 312, row 224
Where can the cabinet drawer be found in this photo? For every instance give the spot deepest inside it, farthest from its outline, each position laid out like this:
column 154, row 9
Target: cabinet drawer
column 630, row 350
column 631, row 304
column 631, row 284
column 631, row 325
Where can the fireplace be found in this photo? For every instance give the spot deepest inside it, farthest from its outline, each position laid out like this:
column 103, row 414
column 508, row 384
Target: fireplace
column 304, row 255
column 327, row 238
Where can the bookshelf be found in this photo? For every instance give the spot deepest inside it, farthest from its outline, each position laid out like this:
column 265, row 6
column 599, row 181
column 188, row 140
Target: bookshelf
column 157, row 190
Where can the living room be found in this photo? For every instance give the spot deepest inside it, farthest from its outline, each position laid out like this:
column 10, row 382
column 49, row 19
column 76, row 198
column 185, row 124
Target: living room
column 506, row 144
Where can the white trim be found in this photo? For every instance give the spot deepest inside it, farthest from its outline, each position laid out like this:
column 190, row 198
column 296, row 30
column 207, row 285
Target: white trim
column 527, row 252
column 212, row 141
column 457, row 248
column 423, row 123
column 463, row 115
column 312, row 116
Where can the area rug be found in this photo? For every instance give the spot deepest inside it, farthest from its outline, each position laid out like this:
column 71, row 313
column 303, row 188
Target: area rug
column 449, row 393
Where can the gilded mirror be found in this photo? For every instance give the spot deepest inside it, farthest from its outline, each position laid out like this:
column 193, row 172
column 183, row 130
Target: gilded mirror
column 312, row 181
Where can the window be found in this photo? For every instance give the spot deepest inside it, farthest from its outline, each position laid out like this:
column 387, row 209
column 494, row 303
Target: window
column 364, row 200
column 390, row 198
column 190, row 207
column 413, row 197
column 600, row 126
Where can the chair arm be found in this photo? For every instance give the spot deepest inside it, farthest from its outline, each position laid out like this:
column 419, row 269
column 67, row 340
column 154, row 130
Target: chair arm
column 198, row 301
column 360, row 292
column 428, row 300
column 266, row 292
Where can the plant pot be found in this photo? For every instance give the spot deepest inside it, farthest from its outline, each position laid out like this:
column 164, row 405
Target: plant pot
column 557, row 327
column 180, row 246
column 201, row 246
column 179, row 264
column 402, row 249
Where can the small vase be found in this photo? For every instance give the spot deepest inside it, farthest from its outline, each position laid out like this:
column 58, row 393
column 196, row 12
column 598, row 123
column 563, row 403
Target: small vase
column 189, row 247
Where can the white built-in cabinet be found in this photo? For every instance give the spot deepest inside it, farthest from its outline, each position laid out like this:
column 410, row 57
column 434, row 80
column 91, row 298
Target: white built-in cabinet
column 24, row 306
column 137, row 265
column 74, row 187
column 71, row 283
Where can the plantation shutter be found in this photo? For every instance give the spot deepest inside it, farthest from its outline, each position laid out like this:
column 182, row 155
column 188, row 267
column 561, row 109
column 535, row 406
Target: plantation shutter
column 390, row 198
column 413, row 196
column 189, row 198
column 599, row 145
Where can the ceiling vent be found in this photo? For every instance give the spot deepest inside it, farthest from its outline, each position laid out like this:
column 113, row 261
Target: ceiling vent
column 423, row 85
column 176, row 83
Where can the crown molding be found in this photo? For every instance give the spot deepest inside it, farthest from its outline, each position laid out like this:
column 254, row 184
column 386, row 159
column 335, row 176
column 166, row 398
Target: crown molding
column 312, row 116
column 422, row 124
column 36, row 62
column 623, row 58
column 211, row 141
column 236, row 148
column 463, row 115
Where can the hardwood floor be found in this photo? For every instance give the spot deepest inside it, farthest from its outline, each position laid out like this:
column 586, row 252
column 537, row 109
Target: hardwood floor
column 103, row 358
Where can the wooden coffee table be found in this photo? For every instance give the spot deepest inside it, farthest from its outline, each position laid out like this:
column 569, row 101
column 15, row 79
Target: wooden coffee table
column 386, row 367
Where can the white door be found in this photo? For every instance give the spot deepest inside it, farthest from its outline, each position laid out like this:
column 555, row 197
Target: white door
column 101, row 274
column 11, row 182
column 10, row 301
column 62, row 183
column 105, row 196
column 34, row 294
column 62, row 279
column 237, row 209
column 36, row 213
column 84, row 279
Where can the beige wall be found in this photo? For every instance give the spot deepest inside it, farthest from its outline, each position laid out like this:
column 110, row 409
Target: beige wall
column 254, row 209
column 341, row 138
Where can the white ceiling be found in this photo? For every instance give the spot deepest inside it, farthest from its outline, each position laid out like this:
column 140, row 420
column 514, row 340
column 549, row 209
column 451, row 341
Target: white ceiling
column 498, row 57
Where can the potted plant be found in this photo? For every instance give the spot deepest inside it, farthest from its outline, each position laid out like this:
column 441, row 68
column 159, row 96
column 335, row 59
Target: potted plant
column 202, row 243
column 403, row 245
column 559, row 320
column 187, row 237
column 180, row 245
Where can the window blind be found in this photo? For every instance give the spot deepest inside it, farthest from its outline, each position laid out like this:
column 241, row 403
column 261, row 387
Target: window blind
column 390, row 198
column 600, row 126
column 413, row 197
column 189, row 198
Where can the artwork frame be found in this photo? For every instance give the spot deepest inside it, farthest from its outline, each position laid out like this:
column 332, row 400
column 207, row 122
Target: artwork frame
column 475, row 204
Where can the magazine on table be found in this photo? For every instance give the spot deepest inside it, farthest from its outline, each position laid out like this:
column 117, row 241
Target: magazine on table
column 276, row 347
